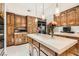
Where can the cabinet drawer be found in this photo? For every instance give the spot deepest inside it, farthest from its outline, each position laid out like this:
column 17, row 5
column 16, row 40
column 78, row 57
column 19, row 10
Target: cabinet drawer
column 24, row 38
column 47, row 50
column 36, row 43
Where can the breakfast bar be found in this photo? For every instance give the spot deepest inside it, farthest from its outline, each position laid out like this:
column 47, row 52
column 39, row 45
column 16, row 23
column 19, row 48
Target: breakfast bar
column 56, row 44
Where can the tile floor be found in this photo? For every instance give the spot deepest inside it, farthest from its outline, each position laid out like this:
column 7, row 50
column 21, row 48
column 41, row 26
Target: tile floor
column 20, row 50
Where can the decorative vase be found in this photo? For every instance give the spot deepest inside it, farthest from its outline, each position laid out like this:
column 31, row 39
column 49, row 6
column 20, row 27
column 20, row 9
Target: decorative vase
column 51, row 27
column 52, row 33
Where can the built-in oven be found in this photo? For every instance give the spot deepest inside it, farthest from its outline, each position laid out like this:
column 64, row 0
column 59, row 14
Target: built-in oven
column 42, row 26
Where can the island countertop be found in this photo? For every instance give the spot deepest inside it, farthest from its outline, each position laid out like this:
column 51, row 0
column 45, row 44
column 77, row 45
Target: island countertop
column 73, row 35
column 57, row 44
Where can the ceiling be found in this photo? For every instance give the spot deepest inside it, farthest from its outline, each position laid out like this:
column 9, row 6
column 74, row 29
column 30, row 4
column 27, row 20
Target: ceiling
column 49, row 8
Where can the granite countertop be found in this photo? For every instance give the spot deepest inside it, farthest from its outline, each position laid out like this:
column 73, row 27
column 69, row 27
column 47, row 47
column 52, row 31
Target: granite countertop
column 57, row 44
column 74, row 35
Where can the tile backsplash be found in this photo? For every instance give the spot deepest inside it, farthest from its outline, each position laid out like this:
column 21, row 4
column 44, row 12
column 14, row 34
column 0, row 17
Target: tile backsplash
column 73, row 28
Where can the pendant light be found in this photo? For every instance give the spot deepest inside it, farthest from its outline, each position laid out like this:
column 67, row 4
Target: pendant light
column 43, row 16
column 36, row 20
column 57, row 11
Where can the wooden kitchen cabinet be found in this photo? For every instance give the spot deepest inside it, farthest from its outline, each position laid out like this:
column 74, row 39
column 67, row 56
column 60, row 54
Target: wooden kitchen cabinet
column 31, row 24
column 25, row 38
column 58, row 20
column 20, row 21
column 71, row 16
column 2, row 10
column 17, row 21
column 10, row 18
column 20, row 38
column 77, row 15
column 63, row 18
column 0, row 7
column 23, row 22
column 29, row 40
column 10, row 28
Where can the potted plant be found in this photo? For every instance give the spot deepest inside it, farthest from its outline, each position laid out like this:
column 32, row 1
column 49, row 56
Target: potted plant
column 51, row 26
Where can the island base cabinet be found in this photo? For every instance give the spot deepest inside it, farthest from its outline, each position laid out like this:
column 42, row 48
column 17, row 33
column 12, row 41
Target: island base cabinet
column 48, row 52
column 71, row 52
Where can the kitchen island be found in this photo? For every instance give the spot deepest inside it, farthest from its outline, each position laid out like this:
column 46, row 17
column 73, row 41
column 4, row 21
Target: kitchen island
column 56, row 44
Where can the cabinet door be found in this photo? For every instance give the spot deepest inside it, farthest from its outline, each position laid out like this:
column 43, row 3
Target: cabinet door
column 18, row 39
column 58, row 20
column 77, row 15
column 23, row 22
column 10, row 28
column 0, row 7
column 31, row 24
column 71, row 16
column 24, row 40
column 63, row 19
column 2, row 10
column 10, row 18
column 17, row 21
column 9, row 40
column 10, row 35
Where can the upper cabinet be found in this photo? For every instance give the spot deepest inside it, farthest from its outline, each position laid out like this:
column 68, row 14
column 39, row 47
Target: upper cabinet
column 20, row 21
column 10, row 18
column 10, row 28
column 77, row 15
column 17, row 21
column 23, row 22
column 2, row 9
column 69, row 17
column 63, row 18
column 58, row 20
column 31, row 24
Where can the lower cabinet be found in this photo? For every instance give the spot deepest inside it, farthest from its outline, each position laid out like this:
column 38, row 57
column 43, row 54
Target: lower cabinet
column 20, row 38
